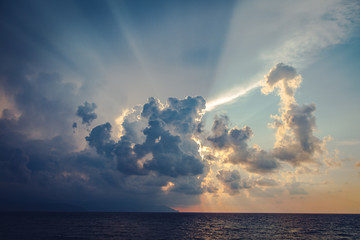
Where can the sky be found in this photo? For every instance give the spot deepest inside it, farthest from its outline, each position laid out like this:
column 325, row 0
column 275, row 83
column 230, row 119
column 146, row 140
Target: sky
column 190, row 106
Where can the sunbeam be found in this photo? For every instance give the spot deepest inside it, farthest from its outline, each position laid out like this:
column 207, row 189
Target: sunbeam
column 229, row 97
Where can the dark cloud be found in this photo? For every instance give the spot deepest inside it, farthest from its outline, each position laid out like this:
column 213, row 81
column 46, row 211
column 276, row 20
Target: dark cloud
column 47, row 171
column 169, row 136
column 40, row 162
column 182, row 114
column 168, row 148
column 156, row 154
column 13, row 165
column 34, row 130
column 189, row 186
column 232, row 181
column 170, row 160
column 43, row 102
column 99, row 138
column 86, row 113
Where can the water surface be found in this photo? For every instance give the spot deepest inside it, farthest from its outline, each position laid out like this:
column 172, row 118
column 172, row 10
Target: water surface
column 178, row 226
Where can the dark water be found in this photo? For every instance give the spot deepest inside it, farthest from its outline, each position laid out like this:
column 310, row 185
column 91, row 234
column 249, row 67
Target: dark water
column 178, row 226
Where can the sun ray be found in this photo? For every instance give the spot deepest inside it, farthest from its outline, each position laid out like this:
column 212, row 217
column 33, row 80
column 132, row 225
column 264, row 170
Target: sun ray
column 229, row 97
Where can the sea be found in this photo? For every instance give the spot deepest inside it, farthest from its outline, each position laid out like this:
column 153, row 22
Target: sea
column 90, row 225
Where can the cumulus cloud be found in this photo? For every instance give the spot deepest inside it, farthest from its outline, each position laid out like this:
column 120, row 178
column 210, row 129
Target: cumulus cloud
column 99, row 138
column 167, row 148
column 298, row 143
column 235, row 142
column 224, row 137
column 285, row 79
column 295, row 124
column 86, row 113
column 232, row 181
column 262, row 161
column 295, row 142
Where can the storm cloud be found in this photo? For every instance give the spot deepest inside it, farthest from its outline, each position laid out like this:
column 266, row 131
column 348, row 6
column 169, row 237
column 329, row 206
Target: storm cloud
column 168, row 148
column 151, row 158
column 86, row 113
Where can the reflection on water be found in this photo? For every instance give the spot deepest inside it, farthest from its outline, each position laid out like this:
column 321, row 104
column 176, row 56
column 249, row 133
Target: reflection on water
column 178, row 226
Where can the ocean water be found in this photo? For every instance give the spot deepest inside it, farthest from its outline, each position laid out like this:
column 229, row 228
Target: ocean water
column 178, row 226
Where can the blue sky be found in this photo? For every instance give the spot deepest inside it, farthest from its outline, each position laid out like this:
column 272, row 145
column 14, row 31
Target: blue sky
column 57, row 55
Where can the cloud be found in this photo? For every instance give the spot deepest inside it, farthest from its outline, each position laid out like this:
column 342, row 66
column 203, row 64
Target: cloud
column 99, row 138
column 262, row 161
column 42, row 102
column 232, row 181
column 224, row 137
column 235, row 142
column 295, row 141
column 13, row 166
column 266, row 182
column 299, row 144
column 39, row 156
column 168, row 148
column 86, row 113
column 170, row 160
column 162, row 154
column 156, row 152
column 34, row 130
column 285, row 79
column 189, row 186
column 156, row 147
column 278, row 73
column 328, row 23
column 295, row 125
column 295, row 189
column 165, row 148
